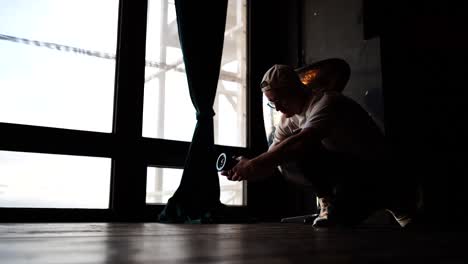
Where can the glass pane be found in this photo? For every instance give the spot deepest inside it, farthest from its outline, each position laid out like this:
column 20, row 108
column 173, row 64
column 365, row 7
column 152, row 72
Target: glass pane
column 53, row 181
column 168, row 111
column 57, row 63
column 163, row 182
column 271, row 117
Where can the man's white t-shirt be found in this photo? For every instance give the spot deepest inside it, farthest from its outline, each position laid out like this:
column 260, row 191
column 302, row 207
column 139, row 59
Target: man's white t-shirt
column 348, row 127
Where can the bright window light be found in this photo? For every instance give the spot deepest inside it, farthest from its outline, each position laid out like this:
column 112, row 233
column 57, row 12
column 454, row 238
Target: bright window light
column 168, row 111
column 57, row 63
column 33, row 180
column 163, row 182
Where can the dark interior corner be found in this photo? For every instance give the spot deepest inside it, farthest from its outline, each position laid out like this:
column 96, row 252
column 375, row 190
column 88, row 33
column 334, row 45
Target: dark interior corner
column 423, row 80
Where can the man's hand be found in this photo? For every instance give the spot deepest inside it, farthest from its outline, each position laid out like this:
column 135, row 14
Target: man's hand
column 248, row 169
column 264, row 164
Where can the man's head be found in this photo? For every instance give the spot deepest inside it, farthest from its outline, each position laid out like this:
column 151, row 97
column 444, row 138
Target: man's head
column 287, row 88
column 283, row 88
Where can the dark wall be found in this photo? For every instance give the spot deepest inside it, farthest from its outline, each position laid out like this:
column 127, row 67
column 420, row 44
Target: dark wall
column 425, row 78
column 334, row 28
column 408, row 60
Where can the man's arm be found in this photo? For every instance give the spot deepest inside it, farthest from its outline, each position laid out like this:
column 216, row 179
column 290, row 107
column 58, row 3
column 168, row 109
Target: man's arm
column 288, row 149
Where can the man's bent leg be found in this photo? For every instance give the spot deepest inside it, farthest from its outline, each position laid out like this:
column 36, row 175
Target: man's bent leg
column 346, row 189
column 316, row 171
column 294, row 173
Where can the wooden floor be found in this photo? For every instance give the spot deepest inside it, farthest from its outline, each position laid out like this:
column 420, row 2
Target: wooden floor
column 241, row 243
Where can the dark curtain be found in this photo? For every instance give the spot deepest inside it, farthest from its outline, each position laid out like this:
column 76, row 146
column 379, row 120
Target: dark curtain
column 201, row 31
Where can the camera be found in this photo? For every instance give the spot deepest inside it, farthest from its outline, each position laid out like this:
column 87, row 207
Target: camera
column 225, row 162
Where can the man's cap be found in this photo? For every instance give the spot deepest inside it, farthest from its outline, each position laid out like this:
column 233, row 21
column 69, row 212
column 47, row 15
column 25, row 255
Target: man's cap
column 283, row 76
column 280, row 76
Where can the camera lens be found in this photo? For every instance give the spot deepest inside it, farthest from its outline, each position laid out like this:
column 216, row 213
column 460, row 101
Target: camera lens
column 225, row 162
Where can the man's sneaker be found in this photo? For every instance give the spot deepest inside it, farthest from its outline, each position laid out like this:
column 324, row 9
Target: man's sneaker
column 325, row 217
column 402, row 218
column 408, row 210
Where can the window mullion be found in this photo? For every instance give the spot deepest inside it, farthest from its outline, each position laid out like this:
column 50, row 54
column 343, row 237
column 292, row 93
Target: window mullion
column 128, row 167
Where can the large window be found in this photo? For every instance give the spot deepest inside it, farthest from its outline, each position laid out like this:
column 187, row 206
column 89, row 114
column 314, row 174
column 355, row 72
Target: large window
column 57, row 70
column 80, row 128
column 168, row 111
column 58, row 63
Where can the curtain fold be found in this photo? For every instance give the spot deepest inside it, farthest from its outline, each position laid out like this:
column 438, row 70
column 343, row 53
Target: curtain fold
column 201, row 27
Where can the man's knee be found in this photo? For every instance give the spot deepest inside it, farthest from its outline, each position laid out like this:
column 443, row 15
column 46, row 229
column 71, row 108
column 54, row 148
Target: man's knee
column 293, row 173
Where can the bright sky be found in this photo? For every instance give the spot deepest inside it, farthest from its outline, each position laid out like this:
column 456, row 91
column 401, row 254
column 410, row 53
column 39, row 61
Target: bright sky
column 45, row 87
